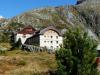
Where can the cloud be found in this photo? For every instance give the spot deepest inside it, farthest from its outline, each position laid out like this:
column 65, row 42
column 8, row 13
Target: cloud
column 1, row 16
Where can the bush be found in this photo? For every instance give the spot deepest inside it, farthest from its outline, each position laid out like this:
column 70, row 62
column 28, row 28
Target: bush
column 77, row 57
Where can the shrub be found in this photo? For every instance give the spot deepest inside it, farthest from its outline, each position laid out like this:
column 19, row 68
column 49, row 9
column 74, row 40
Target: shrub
column 77, row 57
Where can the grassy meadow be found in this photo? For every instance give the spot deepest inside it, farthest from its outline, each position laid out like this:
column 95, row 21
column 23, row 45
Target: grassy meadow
column 18, row 62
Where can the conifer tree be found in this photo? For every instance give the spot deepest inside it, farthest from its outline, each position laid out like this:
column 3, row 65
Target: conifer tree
column 18, row 43
column 12, row 40
column 78, row 54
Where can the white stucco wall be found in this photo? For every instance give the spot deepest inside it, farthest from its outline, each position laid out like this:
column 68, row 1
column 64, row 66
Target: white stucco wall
column 22, row 37
column 47, row 37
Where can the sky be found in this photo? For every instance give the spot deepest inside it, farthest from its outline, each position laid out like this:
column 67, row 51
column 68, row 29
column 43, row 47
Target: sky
column 11, row 8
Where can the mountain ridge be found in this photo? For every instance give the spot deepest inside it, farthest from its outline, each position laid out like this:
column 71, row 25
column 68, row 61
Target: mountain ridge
column 61, row 17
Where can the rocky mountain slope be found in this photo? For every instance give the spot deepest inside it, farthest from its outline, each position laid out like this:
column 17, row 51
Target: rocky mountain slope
column 90, row 11
column 85, row 14
column 44, row 17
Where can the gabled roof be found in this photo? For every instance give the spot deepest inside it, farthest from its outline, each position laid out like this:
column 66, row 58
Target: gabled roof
column 27, row 30
column 50, row 28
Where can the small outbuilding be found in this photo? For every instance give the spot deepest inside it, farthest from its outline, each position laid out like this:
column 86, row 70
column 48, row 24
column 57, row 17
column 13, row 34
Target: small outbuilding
column 25, row 33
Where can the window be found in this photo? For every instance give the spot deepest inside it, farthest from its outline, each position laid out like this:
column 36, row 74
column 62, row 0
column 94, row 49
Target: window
column 24, row 36
column 57, row 47
column 51, row 47
column 57, row 37
column 57, row 42
column 51, row 36
column 51, row 41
